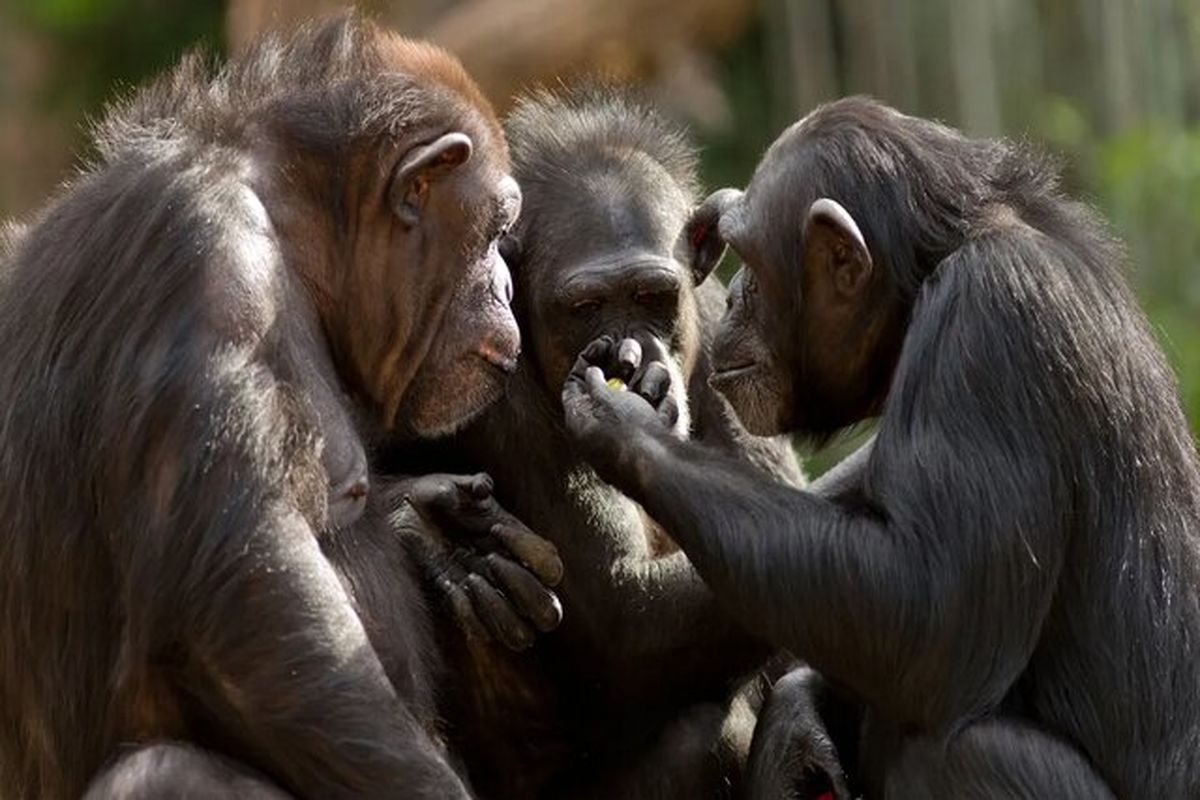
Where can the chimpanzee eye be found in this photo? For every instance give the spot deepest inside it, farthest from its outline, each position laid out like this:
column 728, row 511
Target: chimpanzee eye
column 653, row 298
column 585, row 307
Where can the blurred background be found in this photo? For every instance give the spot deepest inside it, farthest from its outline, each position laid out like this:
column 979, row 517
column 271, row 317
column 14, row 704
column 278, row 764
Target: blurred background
column 1112, row 86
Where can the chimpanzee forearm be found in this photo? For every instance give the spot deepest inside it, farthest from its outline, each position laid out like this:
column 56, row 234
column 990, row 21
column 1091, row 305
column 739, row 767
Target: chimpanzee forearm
column 863, row 602
column 311, row 696
column 662, row 609
column 844, row 477
column 663, row 616
column 644, row 613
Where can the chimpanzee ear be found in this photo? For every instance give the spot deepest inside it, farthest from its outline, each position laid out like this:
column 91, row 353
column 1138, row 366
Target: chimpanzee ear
column 421, row 166
column 700, row 244
column 833, row 240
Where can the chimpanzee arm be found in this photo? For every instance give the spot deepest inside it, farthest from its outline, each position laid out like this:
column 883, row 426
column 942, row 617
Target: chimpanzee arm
column 654, row 612
column 621, row 603
column 927, row 598
column 649, row 613
column 229, row 574
column 845, row 478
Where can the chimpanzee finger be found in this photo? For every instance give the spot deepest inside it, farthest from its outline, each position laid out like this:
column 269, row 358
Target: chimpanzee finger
column 597, row 353
column 533, row 600
column 463, row 610
column 591, row 382
column 629, row 358
column 654, row 384
column 668, row 411
column 462, row 492
column 536, row 553
column 501, row 620
column 655, row 349
column 447, row 494
column 491, row 581
column 479, row 486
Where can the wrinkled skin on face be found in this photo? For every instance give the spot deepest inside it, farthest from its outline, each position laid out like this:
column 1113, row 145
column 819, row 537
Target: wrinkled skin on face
column 621, row 278
column 412, row 293
column 812, row 355
column 467, row 368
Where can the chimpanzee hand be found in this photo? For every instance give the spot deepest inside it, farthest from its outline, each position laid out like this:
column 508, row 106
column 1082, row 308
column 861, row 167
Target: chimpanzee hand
column 603, row 415
column 492, row 569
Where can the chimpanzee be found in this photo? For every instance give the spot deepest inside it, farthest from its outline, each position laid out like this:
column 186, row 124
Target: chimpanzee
column 266, row 268
column 1010, row 586
column 11, row 232
column 629, row 698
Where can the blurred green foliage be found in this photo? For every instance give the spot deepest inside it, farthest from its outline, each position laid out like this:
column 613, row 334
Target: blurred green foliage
column 1146, row 179
column 1147, row 182
column 109, row 45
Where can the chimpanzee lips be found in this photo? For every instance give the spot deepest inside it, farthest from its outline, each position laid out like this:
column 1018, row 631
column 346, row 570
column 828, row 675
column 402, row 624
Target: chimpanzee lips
column 502, row 361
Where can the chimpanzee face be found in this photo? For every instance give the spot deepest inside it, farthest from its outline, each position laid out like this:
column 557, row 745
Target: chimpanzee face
column 442, row 291
column 478, row 341
column 395, row 230
column 798, row 347
column 598, row 257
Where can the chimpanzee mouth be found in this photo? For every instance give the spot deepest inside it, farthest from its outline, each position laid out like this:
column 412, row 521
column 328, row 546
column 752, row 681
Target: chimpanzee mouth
column 501, row 361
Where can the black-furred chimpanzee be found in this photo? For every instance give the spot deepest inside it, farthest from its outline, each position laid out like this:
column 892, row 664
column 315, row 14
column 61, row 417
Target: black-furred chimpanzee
column 629, row 698
column 266, row 267
column 1011, row 585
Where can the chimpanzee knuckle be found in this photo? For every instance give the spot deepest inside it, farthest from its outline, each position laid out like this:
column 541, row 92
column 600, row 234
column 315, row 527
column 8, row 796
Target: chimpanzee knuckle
column 481, row 486
column 531, row 599
column 473, row 563
column 536, row 553
column 655, row 382
column 441, row 495
column 598, row 351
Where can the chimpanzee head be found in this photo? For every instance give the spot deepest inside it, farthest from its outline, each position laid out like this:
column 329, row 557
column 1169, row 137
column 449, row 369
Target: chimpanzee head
column 387, row 178
column 607, row 184
column 847, row 213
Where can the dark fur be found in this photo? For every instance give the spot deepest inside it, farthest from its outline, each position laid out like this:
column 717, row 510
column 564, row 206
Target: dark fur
column 631, row 697
column 180, row 359
column 1009, row 586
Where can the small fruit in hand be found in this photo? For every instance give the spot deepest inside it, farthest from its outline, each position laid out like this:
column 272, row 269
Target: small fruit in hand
column 616, row 384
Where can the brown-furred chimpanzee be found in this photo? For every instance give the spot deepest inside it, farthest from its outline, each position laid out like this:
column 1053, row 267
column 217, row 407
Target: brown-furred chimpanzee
column 266, row 267
column 631, row 697
column 1010, row 587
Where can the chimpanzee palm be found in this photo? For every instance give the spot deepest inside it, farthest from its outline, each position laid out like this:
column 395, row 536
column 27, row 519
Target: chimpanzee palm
column 1009, row 585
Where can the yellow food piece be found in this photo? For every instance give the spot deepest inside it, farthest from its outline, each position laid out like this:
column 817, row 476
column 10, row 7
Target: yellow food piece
column 616, row 384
